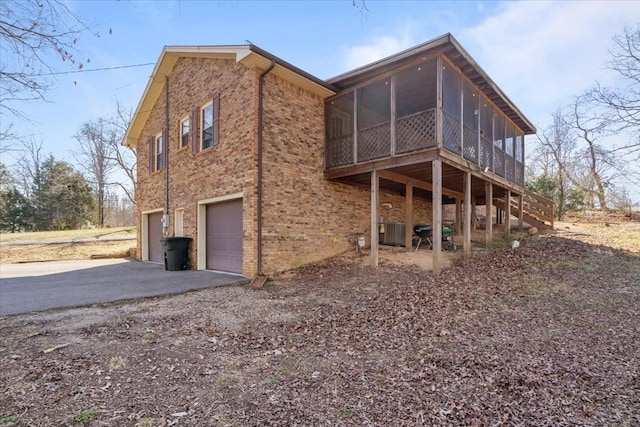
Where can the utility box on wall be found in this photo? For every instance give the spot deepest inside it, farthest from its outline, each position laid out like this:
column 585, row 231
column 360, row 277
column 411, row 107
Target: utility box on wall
column 394, row 233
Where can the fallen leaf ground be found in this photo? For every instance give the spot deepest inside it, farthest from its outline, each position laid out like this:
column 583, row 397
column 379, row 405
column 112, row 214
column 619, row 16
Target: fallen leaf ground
column 547, row 334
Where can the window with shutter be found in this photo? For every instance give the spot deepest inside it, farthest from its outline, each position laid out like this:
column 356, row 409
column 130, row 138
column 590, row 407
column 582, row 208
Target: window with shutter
column 216, row 119
column 165, row 147
column 207, row 126
column 210, row 123
column 194, row 131
column 159, row 152
column 184, row 132
column 151, row 155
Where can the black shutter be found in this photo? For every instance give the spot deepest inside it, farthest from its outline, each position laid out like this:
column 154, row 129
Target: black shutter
column 151, row 155
column 194, row 130
column 216, row 119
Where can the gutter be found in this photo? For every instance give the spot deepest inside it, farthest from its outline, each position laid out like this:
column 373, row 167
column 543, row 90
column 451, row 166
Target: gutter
column 165, row 142
column 260, row 144
column 275, row 60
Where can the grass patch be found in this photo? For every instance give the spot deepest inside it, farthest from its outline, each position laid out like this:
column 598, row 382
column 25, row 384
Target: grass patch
column 229, row 380
column 8, row 420
column 86, row 415
column 149, row 336
column 346, row 413
column 270, row 380
column 547, row 289
column 64, row 251
column 40, row 235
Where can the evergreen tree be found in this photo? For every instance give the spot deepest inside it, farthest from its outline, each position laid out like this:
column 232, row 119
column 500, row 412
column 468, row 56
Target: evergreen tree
column 14, row 207
column 63, row 199
column 14, row 211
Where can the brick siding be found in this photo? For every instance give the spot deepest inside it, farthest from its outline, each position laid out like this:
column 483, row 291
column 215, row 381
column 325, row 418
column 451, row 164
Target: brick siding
column 305, row 217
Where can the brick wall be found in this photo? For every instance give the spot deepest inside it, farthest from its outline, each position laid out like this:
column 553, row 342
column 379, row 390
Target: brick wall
column 307, row 218
column 224, row 169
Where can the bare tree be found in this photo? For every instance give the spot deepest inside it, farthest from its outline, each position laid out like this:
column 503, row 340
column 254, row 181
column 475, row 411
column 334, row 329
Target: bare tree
column 104, row 159
column 95, row 157
column 124, row 156
column 624, row 99
column 28, row 168
column 34, row 35
column 119, row 211
column 9, row 141
column 598, row 165
column 555, row 156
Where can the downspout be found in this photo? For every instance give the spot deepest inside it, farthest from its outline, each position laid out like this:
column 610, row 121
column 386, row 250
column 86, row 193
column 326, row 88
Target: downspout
column 260, row 131
column 165, row 142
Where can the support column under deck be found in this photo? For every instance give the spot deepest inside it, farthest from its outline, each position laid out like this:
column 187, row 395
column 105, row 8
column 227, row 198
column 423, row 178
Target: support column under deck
column 436, row 169
column 488, row 214
column 408, row 229
column 375, row 184
column 466, row 243
column 507, row 214
column 474, row 225
column 458, row 217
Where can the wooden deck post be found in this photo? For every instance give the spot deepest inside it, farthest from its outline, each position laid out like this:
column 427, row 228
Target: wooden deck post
column 466, row 243
column 439, row 138
column 408, row 229
column 375, row 183
column 458, row 217
column 436, row 169
column 507, row 214
column 488, row 214
column 520, row 212
column 473, row 214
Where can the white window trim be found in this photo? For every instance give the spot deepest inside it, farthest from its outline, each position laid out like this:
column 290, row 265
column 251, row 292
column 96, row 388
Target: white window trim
column 156, row 152
column 144, row 256
column 201, row 119
column 202, row 225
column 182, row 120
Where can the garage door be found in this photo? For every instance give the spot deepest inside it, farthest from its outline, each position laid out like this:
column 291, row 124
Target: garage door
column 224, row 236
column 155, row 233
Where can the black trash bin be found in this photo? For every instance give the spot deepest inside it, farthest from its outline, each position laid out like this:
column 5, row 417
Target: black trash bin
column 176, row 252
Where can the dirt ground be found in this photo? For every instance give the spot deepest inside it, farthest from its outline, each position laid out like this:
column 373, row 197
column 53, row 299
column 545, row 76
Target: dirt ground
column 545, row 334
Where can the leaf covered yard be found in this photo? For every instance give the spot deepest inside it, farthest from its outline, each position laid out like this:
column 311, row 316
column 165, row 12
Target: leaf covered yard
column 547, row 334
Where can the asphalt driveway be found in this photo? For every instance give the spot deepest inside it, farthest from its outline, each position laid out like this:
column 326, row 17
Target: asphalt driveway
column 46, row 285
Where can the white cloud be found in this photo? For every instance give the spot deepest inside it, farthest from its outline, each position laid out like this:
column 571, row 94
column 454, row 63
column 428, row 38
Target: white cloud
column 380, row 47
column 544, row 53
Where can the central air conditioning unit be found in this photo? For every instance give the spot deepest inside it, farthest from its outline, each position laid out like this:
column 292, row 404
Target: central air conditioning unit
column 393, row 234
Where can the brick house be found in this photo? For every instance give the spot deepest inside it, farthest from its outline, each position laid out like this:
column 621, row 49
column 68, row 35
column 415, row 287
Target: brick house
column 267, row 167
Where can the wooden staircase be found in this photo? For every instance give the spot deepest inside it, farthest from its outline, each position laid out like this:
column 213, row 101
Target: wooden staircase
column 537, row 210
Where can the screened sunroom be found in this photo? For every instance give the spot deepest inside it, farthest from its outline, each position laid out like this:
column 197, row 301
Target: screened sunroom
column 429, row 123
column 422, row 106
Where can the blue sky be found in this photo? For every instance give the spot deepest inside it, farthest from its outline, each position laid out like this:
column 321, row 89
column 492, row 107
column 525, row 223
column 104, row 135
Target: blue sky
column 540, row 53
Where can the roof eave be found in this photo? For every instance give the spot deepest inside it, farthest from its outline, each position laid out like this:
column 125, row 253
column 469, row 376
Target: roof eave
column 248, row 55
column 413, row 51
column 166, row 61
column 469, row 59
column 439, row 42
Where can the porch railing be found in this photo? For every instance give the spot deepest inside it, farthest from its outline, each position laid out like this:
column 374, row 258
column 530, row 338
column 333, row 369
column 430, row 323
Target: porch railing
column 417, row 132
column 538, row 206
column 413, row 132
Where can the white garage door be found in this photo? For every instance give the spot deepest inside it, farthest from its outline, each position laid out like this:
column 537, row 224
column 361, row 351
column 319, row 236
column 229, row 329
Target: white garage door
column 224, row 236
